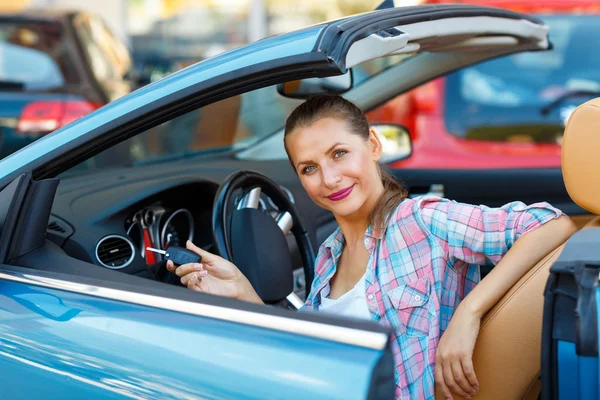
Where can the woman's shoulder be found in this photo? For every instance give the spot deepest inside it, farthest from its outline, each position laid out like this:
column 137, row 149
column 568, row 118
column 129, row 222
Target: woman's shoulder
column 418, row 207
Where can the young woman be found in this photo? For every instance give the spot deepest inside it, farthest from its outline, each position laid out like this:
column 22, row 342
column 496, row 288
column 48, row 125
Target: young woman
column 412, row 264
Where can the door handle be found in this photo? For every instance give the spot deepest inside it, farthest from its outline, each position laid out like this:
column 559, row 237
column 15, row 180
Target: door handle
column 436, row 189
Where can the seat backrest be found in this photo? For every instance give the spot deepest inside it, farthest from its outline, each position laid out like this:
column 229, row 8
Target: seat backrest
column 508, row 350
column 580, row 156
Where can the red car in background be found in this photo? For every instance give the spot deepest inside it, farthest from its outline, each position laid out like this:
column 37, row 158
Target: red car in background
column 509, row 112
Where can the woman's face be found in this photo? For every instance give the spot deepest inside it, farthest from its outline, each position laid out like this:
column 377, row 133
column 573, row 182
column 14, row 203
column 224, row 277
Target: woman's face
column 337, row 168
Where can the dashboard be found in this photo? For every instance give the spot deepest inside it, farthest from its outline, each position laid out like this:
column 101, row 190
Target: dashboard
column 110, row 218
column 118, row 239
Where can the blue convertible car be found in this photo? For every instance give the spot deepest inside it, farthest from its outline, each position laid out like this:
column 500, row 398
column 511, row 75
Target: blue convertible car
column 86, row 313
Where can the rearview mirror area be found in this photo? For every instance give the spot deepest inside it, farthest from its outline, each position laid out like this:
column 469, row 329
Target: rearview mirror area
column 395, row 140
column 304, row 88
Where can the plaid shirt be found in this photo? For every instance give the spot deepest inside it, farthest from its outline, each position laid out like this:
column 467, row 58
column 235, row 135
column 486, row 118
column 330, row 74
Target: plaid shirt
column 420, row 268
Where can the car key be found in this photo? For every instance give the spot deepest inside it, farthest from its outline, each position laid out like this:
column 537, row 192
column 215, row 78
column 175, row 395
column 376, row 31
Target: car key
column 178, row 255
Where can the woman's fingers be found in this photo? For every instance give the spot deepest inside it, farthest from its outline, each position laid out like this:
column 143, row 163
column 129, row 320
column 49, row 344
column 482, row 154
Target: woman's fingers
column 198, row 275
column 439, row 379
column 170, row 266
column 207, row 257
column 461, row 379
column 467, row 366
column 193, row 283
column 450, row 382
column 188, row 268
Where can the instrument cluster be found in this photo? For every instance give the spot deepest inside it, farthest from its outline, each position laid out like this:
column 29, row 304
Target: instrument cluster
column 159, row 227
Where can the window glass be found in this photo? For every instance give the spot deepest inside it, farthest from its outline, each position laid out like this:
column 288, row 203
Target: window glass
column 526, row 97
column 100, row 64
column 109, row 57
column 230, row 124
column 24, row 44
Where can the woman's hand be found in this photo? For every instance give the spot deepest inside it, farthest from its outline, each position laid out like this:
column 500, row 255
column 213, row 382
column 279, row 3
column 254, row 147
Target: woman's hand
column 214, row 275
column 454, row 358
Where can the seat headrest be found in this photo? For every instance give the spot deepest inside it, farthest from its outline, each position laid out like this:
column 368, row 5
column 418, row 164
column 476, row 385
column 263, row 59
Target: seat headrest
column 581, row 156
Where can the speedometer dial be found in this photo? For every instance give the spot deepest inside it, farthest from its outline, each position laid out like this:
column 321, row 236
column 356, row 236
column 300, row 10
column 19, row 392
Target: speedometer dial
column 178, row 228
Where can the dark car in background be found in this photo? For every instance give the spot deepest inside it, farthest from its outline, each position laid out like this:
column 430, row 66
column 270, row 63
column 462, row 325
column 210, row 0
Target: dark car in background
column 56, row 66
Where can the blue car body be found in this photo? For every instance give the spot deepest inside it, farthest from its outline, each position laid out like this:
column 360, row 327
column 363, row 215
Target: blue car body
column 60, row 345
column 72, row 329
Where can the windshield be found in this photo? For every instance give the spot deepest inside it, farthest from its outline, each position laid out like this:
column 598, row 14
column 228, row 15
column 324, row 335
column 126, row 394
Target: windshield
column 230, row 124
column 34, row 55
column 504, row 99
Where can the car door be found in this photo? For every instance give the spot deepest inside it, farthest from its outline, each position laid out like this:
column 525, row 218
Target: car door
column 111, row 335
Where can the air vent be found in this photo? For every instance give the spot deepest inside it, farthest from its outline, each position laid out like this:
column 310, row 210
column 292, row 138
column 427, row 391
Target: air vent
column 54, row 226
column 115, row 252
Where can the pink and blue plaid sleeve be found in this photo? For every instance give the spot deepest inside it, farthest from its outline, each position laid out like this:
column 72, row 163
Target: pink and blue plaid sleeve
column 476, row 234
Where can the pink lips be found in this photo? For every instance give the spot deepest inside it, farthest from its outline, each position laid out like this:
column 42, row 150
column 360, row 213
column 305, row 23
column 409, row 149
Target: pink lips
column 342, row 194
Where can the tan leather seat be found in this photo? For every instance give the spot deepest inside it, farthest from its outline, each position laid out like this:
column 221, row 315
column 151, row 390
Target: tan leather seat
column 508, row 350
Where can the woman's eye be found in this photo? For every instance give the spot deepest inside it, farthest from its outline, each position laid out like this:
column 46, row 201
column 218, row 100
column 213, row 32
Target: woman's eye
column 339, row 153
column 308, row 169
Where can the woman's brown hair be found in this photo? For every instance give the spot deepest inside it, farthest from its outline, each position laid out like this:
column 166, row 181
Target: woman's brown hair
column 333, row 106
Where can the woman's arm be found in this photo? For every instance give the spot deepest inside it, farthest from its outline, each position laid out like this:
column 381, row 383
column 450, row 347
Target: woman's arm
column 523, row 255
column 454, row 366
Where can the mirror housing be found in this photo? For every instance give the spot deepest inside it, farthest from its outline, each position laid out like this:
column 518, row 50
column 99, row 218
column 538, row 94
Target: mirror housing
column 395, row 140
column 304, row 88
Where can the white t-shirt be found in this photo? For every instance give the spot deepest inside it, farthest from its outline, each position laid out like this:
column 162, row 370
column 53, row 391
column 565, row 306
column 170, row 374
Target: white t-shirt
column 353, row 303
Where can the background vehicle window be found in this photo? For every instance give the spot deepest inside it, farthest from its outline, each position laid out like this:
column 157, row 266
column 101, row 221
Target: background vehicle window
column 104, row 65
column 107, row 56
column 19, row 42
column 114, row 48
column 504, row 99
column 100, row 63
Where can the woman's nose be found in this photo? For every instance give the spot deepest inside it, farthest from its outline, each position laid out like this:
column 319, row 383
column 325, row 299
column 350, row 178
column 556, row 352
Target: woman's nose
column 331, row 177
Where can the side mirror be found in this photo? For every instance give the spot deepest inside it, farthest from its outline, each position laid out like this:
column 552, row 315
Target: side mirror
column 304, row 88
column 395, row 140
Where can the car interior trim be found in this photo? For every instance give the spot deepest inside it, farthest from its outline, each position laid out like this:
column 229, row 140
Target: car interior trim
column 375, row 45
column 191, row 225
column 350, row 336
column 126, row 264
column 454, row 29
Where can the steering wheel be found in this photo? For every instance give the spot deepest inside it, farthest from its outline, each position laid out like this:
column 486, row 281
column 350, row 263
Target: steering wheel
column 255, row 240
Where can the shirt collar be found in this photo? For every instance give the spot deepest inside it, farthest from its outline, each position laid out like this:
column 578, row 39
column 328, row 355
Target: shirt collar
column 375, row 233
column 335, row 242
